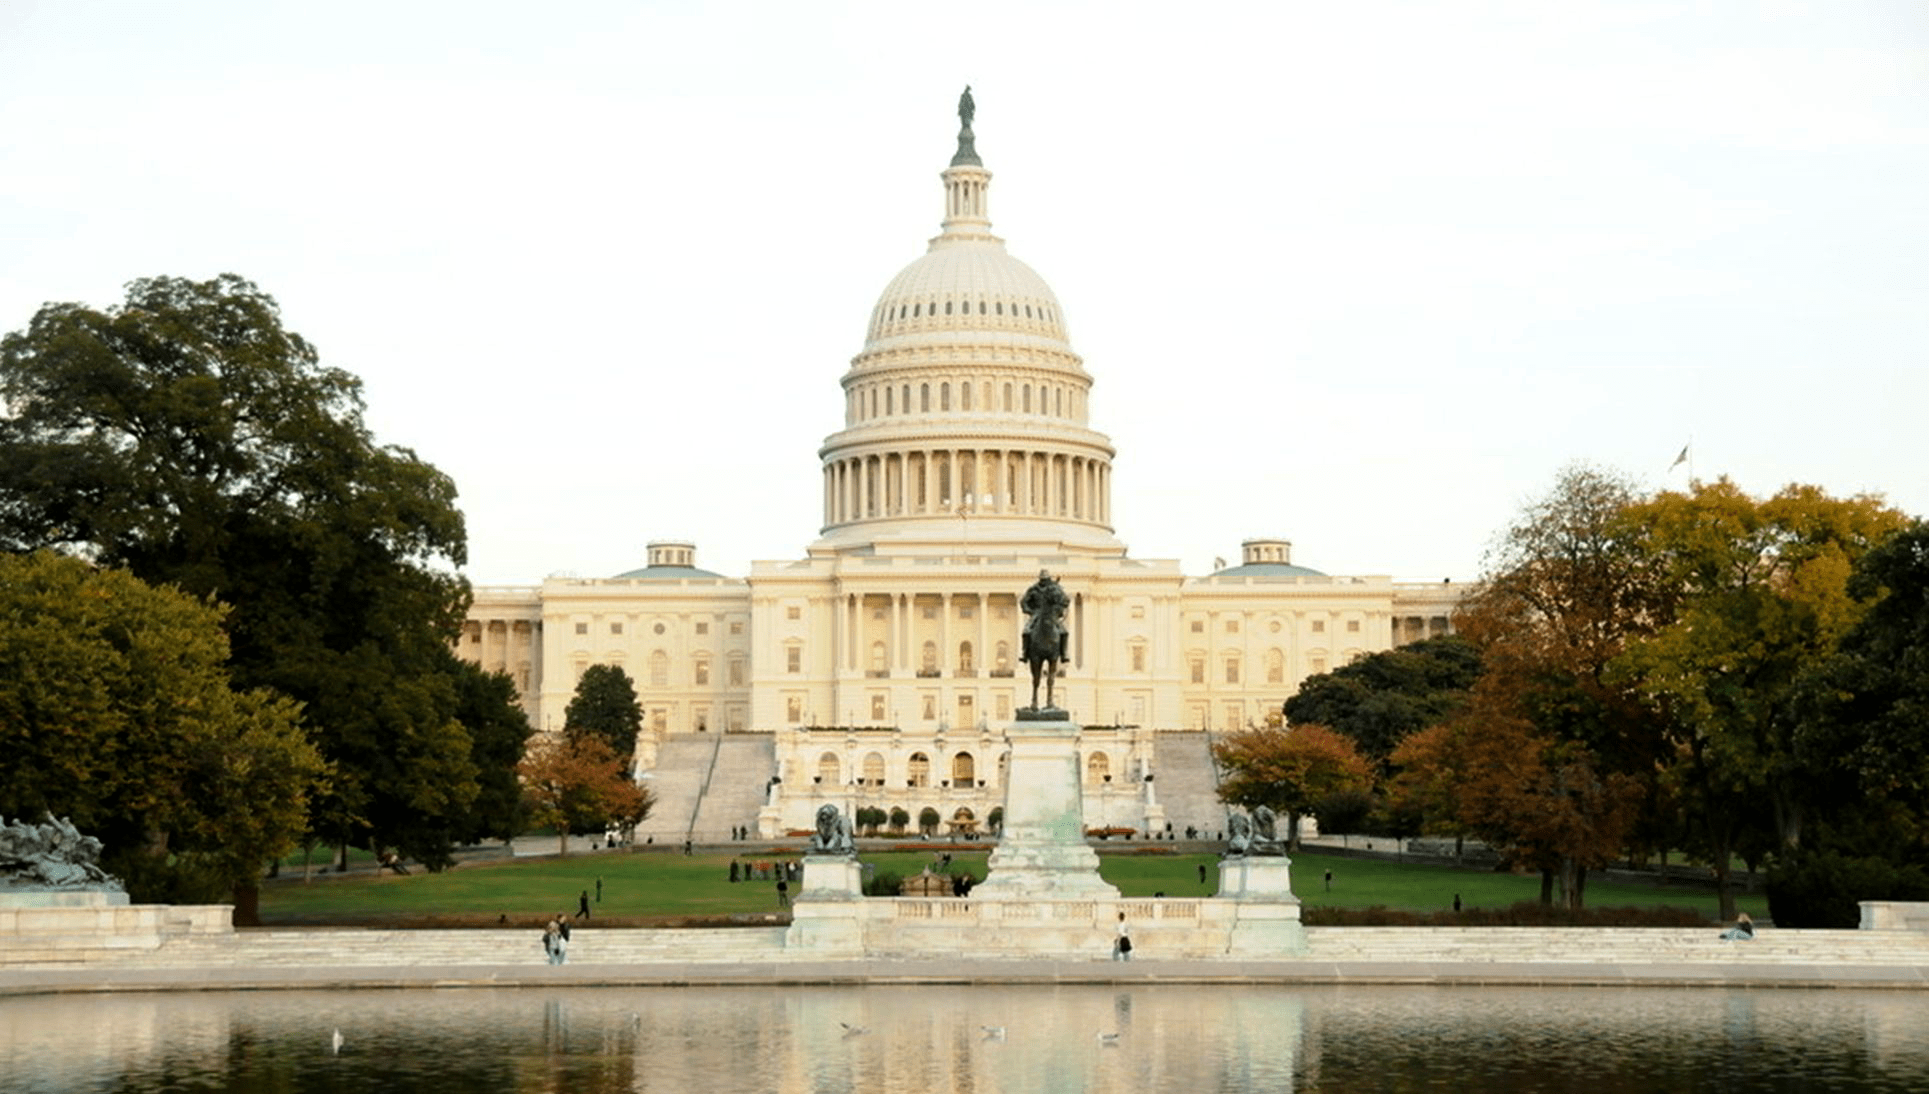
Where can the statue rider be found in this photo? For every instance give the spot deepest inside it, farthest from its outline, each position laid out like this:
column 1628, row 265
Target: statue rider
column 1045, row 634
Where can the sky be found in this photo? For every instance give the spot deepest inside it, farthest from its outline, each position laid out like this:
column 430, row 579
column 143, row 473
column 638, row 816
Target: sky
column 1365, row 276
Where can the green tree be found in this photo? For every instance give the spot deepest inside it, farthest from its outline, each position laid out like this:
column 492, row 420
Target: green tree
column 116, row 711
column 498, row 728
column 1289, row 770
column 605, row 705
column 1383, row 697
column 900, row 818
column 1862, row 719
column 578, row 786
column 1764, row 595
column 187, row 436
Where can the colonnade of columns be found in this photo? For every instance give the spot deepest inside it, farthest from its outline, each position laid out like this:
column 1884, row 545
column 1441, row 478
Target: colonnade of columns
column 995, row 482
column 994, row 642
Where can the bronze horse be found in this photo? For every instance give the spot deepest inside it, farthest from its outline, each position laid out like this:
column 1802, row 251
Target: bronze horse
column 1044, row 645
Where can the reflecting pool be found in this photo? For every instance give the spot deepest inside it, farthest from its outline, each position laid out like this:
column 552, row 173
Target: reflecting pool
column 977, row 1038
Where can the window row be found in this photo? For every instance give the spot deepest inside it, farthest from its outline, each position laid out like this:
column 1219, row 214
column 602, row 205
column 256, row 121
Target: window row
column 870, row 401
column 937, row 307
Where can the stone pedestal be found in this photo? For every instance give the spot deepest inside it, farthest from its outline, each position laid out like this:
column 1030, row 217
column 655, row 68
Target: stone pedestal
column 1266, row 913
column 827, row 917
column 1042, row 852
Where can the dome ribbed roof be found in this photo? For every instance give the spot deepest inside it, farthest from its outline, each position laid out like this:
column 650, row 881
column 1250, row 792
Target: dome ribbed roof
column 968, row 287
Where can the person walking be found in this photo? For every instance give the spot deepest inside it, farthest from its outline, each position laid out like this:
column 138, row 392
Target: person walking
column 1122, row 945
column 582, row 905
column 783, row 894
column 562, row 942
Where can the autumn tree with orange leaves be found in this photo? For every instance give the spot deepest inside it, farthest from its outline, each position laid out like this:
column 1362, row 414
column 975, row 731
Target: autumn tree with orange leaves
column 1289, row 770
column 579, row 786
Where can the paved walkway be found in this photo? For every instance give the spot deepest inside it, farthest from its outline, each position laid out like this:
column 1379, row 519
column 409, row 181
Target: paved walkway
column 667, row 974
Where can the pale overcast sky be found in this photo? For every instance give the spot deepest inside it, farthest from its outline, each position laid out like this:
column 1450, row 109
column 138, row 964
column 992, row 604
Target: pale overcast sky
column 1366, row 276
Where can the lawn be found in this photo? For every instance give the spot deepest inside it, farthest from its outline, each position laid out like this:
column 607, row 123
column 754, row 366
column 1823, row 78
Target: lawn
column 664, row 883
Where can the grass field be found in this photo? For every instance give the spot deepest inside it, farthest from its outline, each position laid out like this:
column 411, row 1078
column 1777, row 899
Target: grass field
column 664, row 883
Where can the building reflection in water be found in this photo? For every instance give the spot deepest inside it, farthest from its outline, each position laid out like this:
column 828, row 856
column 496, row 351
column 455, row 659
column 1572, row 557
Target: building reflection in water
column 891, row 1039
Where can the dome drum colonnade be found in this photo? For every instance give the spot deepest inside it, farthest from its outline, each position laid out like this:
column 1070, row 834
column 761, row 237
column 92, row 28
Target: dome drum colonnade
column 967, row 398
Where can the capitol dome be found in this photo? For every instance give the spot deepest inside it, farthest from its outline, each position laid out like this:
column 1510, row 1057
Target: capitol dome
column 969, row 284
column 967, row 398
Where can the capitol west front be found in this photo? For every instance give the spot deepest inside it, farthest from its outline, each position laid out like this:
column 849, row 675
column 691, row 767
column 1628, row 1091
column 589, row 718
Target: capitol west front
column 881, row 668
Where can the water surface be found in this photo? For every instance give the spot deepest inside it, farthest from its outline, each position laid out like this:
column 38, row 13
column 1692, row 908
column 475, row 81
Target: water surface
column 901, row 1040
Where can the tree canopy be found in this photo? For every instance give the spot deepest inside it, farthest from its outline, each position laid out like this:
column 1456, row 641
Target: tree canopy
column 1382, row 698
column 187, row 436
column 1288, row 770
column 116, row 711
column 605, row 706
column 578, row 786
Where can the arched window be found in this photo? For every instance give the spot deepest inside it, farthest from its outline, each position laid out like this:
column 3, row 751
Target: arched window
column 879, row 666
column 918, row 770
column 965, row 663
column 963, row 770
column 702, row 671
column 873, row 769
column 1002, row 656
column 929, row 660
column 964, row 396
column 1275, row 667
column 1098, row 768
column 659, row 669
column 944, row 396
column 924, row 398
column 828, row 769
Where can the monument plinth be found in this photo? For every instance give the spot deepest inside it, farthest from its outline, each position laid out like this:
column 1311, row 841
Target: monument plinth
column 1042, row 850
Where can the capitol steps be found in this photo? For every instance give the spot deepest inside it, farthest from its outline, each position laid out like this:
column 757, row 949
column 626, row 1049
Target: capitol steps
column 353, row 947
column 1630, row 945
column 1187, row 783
column 676, row 782
column 737, row 784
column 1390, row 946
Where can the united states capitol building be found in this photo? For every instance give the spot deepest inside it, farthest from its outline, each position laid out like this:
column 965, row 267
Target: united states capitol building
column 880, row 668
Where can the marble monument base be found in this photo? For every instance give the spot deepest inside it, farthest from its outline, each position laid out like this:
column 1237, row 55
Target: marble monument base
column 826, row 918
column 1041, row 852
column 84, row 926
column 1265, row 911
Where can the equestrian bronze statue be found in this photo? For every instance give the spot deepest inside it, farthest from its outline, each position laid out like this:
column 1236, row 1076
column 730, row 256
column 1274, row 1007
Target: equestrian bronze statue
column 1045, row 635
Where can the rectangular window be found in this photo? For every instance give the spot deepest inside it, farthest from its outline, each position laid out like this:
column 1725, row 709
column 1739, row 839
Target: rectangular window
column 1138, row 611
column 582, row 628
column 793, row 659
column 1232, row 626
column 703, row 628
column 736, row 674
column 1352, row 626
column 1004, row 707
column 1235, row 715
column 1138, row 658
column 1198, row 626
column 616, row 628
column 793, row 709
column 1198, row 670
column 964, row 611
column 703, row 672
column 736, row 628
column 793, row 612
column 1232, row 671
column 1319, row 626
column 877, row 707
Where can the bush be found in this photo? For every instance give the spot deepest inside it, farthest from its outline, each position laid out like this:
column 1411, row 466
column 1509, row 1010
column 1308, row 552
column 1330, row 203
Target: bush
column 1824, row 889
column 883, row 883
